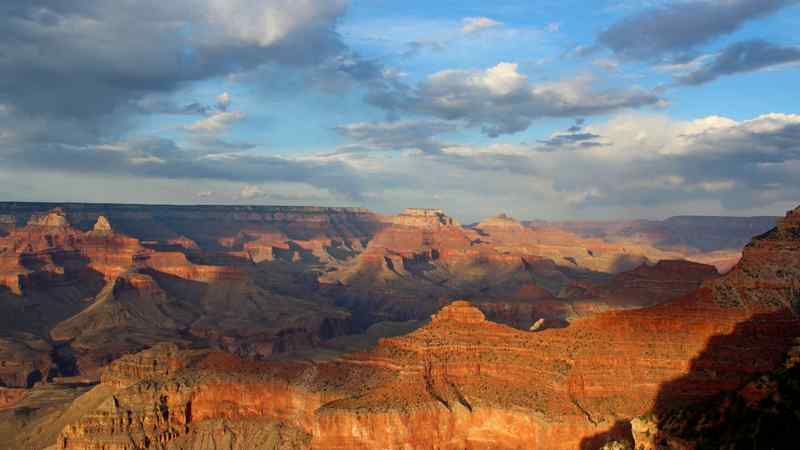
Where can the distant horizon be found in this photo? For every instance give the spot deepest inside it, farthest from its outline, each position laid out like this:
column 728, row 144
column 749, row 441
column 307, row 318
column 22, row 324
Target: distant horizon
column 463, row 222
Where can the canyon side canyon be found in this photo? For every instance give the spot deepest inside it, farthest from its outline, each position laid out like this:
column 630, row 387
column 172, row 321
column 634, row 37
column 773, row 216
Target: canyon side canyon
column 234, row 327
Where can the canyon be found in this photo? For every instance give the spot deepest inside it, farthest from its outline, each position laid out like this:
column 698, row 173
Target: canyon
column 131, row 326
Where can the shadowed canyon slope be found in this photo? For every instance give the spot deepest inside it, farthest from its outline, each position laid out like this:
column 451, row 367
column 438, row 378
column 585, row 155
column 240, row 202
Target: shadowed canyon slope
column 461, row 381
column 73, row 300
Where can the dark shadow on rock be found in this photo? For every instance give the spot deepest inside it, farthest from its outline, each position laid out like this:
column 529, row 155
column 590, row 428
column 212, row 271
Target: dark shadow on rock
column 620, row 431
column 33, row 378
column 755, row 346
column 689, row 408
column 218, row 259
column 624, row 263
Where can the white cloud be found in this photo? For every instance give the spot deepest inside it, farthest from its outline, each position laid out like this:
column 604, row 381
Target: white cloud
column 678, row 68
column 397, row 135
column 473, row 24
column 717, row 186
column 647, row 163
column 608, row 64
column 282, row 192
column 251, row 191
column 217, row 122
column 139, row 160
column 502, row 100
column 266, row 23
column 502, row 79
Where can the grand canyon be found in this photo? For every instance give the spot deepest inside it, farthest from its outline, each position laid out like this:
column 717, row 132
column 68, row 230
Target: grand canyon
column 399, row 225
column 214, row 327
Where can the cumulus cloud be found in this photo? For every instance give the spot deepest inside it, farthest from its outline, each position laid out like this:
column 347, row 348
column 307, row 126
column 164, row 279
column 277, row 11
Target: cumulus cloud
column 681, row 26
column 741, row 57
column 738, row 163
column 398, row 135
column 92, row 64
column 648, row 162
column 77, row 77
column 473, row 24
column 149, row 157
column 501, row 100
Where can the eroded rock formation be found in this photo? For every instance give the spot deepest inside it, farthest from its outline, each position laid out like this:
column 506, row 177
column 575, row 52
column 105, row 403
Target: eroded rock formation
column 464, row 382
column 74, row 300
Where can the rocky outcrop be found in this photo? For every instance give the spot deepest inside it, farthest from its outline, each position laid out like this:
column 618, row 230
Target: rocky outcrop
column 459, row 311
column 53, row 219
column 242, row 434
column 423, row 218
column 158, row 362
column 102, row 225
column 768, row 276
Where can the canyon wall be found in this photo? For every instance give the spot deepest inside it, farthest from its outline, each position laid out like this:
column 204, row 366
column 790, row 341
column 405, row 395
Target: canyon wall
column 464, row 382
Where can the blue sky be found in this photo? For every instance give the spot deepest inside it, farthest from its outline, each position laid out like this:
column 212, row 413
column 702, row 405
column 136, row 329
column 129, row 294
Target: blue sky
column 547, row 109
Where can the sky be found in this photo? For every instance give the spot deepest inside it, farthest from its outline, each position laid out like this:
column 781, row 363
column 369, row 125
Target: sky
column 552, row 109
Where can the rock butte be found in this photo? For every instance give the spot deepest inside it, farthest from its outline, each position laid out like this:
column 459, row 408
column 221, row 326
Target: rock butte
column 502, row 222
column 464, row 382
column 102, row 225
column 423, row 218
